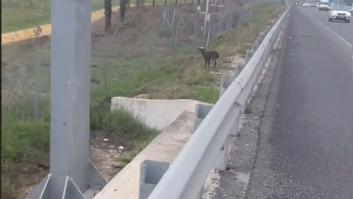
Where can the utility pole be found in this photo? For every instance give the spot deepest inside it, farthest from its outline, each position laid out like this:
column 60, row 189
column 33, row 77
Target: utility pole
column 71, row 175
column 207, row 18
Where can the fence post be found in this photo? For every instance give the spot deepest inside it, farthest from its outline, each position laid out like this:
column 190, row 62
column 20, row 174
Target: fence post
column 71, row 173
column 207, row 18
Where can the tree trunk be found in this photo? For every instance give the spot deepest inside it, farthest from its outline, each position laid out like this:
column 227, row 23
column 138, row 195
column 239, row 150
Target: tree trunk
column 128, row 4
column 108, row 14
column 153, row 3
column 122, row 9
column 139, row 3
column 176, row 2
column 165, row 2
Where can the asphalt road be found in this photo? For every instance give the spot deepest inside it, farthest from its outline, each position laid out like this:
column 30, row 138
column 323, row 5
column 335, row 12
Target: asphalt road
column 306, row 149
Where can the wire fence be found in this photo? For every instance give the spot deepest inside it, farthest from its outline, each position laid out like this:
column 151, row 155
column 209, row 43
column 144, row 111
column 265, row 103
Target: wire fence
column 25, row 85
column 195, row 22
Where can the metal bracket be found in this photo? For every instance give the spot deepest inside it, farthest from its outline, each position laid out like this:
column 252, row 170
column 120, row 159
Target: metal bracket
column 150, row 174
column 202, row 111
column 70, row 189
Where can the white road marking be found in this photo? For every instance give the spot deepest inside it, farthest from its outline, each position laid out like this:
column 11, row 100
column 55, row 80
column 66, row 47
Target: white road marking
column 334, row 33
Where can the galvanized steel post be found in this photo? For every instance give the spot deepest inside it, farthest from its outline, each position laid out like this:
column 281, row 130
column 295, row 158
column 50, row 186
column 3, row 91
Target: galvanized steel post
column 71, row 173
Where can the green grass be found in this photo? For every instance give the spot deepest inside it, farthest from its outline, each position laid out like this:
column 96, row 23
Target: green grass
column 17, row 14
column 169, row 76
column 22, row 140
column 25, row 141
column 122, row 128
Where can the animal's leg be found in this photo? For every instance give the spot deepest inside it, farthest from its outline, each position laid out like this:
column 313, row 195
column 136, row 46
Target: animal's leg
column 208, row 62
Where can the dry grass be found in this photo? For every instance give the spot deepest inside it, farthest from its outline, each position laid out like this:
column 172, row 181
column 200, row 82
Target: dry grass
column 238, row 40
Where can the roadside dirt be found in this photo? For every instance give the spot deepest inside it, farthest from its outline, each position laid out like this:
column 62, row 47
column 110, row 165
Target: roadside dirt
column 105, row 156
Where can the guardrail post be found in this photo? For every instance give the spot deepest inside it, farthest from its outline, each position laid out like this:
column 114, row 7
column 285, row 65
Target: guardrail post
column 248, row 54
column 222, row 158
column 72, row 176
column 227, row 80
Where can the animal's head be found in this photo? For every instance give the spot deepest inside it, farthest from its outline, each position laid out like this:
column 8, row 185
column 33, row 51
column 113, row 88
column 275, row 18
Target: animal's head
column 201, row 48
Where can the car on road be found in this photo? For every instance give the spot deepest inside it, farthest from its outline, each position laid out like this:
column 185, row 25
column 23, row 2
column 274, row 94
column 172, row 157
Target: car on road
column 324, row 6
column 305, row 4
column 312, row 4
column 340, row 15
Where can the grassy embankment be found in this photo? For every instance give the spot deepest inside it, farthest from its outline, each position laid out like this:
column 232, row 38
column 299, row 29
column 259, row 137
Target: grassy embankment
column 167, row 71
column 18, row 14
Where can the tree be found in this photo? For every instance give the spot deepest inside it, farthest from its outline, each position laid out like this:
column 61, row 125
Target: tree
column 108, row 14
column 139, row 3
column 122, row 9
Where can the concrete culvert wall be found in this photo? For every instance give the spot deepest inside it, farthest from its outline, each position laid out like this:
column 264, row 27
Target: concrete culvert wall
column 155, row 113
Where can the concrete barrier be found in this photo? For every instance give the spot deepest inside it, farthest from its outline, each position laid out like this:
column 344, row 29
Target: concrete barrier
column 164, row 148
column 155, row 113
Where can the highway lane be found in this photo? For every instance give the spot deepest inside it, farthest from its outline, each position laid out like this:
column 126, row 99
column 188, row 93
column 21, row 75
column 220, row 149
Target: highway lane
column 306, row 150
column 345, row 30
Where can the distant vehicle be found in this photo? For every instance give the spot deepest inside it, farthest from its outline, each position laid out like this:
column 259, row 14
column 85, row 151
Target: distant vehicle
column 324, row 6
column 324, row 1
column 340, row 15
column 312, row 5
column 305, row 4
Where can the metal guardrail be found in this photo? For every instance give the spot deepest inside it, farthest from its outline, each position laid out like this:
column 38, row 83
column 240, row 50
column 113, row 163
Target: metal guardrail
column 186, row 175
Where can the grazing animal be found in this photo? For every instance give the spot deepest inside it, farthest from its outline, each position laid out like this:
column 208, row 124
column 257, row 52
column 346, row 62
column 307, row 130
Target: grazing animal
column 208, row 56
